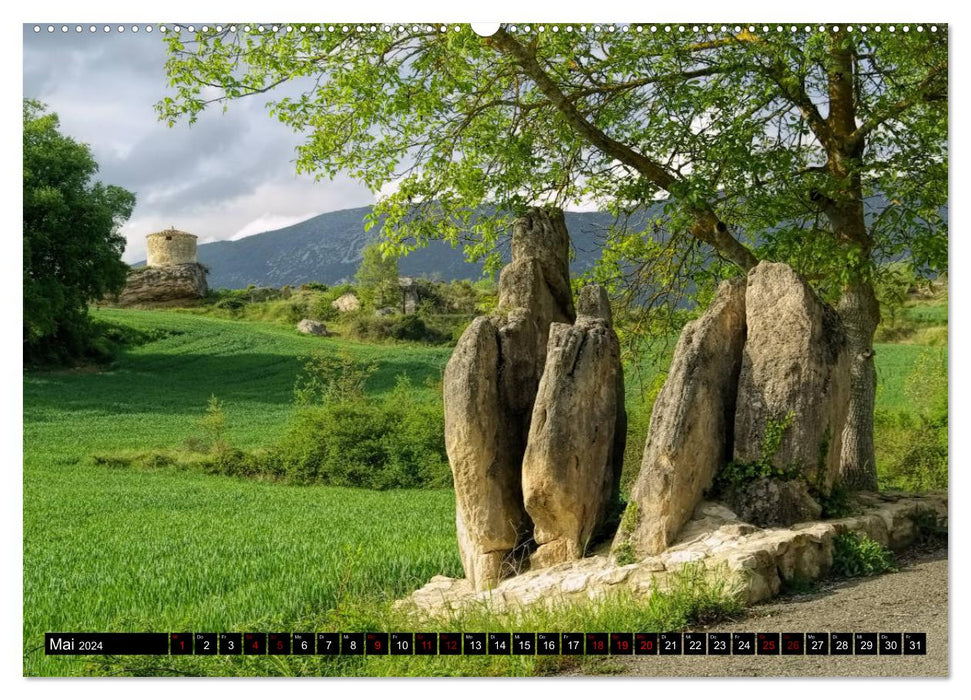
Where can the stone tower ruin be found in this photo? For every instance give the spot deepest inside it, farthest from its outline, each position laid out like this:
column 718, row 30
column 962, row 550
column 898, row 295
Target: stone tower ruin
column 172, row 273
column 171, row 247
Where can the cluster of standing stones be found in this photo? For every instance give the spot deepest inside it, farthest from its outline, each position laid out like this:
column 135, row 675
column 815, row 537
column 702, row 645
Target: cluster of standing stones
column 534, row 413
column 535, row 429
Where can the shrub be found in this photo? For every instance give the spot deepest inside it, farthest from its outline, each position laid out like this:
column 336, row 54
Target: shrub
column 392, row 442
column 625, row 554
column 838, row 503
column 739, row 473
column 213, row 424
column 329, row 378
column 411, row 327
column 855, row 555
column 638, row 423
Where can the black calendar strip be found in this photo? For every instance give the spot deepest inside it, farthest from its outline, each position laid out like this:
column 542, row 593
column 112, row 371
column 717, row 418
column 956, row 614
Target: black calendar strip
column 488, row 643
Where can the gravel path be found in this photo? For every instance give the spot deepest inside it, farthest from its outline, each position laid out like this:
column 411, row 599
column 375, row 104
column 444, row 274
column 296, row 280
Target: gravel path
column 911, row 600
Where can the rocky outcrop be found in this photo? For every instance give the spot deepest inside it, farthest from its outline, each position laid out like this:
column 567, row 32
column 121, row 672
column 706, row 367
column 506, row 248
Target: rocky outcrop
column 150, row 285
column 490, row 385
column 754, row 562
column 346, row 302
column 310, row 327
column 690, row 435
column 794, row 377
column 575, row 450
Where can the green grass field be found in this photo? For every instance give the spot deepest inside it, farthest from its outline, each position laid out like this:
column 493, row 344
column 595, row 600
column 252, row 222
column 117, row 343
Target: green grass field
column 140, row 550
column 115, row 550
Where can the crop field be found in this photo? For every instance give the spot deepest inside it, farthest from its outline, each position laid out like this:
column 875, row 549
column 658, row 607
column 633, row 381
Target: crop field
column 162, row 549
column 111, row 549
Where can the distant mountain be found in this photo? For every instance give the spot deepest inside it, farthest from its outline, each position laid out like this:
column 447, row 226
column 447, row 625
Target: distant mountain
column 328, row 248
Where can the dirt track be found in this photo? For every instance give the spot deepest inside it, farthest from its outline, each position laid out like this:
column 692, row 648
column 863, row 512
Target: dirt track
column 911, row 600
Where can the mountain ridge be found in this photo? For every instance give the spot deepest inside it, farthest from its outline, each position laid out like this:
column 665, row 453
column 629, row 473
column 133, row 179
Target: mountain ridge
column 328, row 248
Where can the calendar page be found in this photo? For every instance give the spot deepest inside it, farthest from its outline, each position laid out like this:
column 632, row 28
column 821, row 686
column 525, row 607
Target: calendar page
column 437, row 348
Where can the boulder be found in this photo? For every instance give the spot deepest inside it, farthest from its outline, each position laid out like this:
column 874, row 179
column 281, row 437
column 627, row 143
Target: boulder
column 346, row 302
column 489, row 387
column 575, row 450
column 311, row 327
column 769, row 502
column 147, row 285
column 690, row 434
column 794, row 377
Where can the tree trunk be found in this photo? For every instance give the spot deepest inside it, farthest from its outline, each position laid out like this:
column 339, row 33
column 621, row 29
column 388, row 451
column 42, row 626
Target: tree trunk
column 860, row 312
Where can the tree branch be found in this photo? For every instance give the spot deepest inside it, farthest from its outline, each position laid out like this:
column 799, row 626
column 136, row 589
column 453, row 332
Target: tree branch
column 707, row 226
column 901, row 106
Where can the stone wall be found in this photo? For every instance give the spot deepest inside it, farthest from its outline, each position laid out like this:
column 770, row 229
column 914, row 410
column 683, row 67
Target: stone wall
column 753, row 561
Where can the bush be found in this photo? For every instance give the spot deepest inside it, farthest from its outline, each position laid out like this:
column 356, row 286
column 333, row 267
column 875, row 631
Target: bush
column 396, row 441
column 366, row 326
column 638, row 423
column 858, row 555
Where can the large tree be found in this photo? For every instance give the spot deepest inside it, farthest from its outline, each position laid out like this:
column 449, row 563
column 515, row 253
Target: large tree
column 72, row 248
column 825, row 147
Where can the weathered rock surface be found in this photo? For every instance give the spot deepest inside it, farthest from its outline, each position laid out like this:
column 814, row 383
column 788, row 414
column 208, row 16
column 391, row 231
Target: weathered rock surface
column 147, row 285
column 794, row 363
column 752, row 561
column 485, row 468
column 310, row 327
column 346, row 302
column 690, row 436
column 489, row 387
column 768, row 502
column 574, row 454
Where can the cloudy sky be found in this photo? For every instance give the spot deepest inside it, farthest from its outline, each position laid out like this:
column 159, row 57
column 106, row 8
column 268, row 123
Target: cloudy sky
column 226, row 176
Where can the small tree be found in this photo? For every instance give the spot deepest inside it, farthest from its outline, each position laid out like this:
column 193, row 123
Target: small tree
column 72, row 248
column 377, row 278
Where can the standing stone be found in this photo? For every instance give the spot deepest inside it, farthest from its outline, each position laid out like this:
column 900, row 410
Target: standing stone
column 409, row 294
column 690, row 436
column 795, row 371
column 489, row 387
column 576, row 440
column 489, row 512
